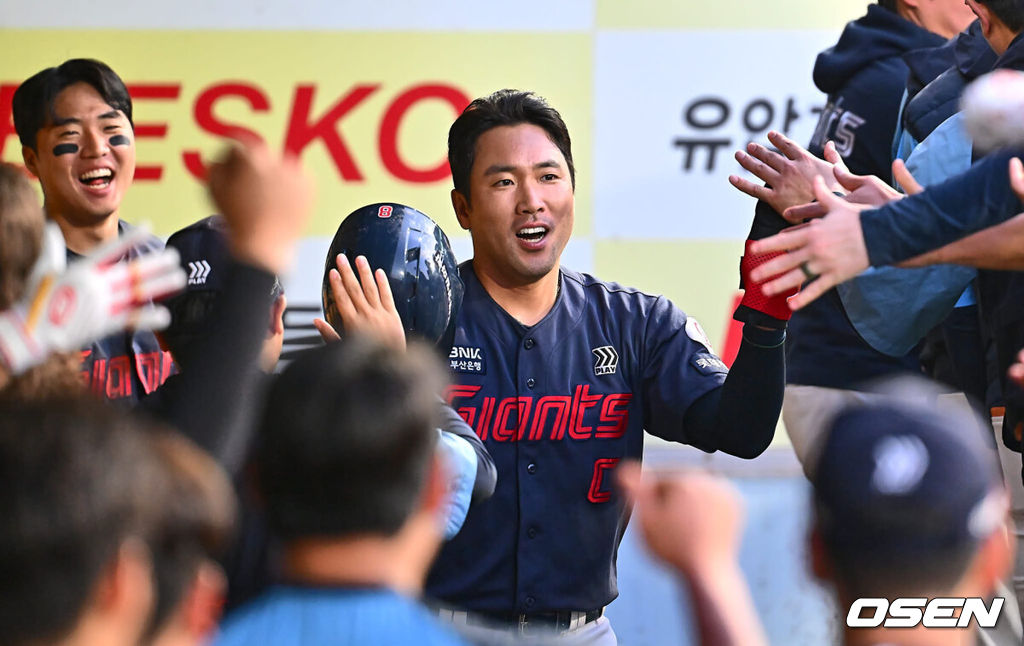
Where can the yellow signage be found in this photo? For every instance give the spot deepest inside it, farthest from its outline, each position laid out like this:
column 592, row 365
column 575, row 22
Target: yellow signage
column 368, row 113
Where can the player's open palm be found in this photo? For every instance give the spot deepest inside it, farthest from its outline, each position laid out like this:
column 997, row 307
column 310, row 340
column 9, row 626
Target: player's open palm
column 364, row 302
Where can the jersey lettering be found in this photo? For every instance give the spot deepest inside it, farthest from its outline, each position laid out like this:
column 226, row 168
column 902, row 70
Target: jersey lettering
column 584, row 415
column 598, row 492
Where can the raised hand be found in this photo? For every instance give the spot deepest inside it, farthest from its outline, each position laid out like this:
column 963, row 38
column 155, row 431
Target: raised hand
column 365, row 304
column 266, row 201
column 826, row 251
column 789, row 175
column 66, row 307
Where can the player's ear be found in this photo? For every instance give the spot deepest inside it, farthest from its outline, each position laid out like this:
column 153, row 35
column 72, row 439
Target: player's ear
column 985, row 16
column 994, row 559
column 461, row 206
column 31, row 160
column 201, row 609
column 277, row 309
column 434, row 490
column 821, row 565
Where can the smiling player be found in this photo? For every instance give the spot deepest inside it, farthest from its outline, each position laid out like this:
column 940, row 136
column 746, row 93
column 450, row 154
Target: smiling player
column 559, row 373
column 75, row 126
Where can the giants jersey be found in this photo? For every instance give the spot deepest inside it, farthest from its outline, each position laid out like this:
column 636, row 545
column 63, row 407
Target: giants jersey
column 558, row 405
column 126, row 366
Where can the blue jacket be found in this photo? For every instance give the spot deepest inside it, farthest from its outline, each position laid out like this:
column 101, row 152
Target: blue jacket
column 894, row 308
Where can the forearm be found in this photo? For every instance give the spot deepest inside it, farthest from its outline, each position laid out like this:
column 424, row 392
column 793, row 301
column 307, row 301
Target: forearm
column 1000, row 247
column 221, row 370
column 740, row 417
column 723, row 607
column 942, row 214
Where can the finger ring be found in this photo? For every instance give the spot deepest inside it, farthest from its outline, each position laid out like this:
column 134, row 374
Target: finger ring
column 810, row 275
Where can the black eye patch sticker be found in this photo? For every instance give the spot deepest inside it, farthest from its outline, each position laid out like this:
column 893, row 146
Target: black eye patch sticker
column 65, row 149
column 120, row 140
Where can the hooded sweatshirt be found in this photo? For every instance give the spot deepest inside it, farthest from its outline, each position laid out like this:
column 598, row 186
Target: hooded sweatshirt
column 864, row 75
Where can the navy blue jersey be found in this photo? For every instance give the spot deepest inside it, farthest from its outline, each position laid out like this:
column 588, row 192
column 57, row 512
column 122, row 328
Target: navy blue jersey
column 558, row 405
column 125, row 366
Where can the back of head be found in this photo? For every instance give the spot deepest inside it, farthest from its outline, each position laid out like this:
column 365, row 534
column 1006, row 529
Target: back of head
column 1009, row 12
column 80, row 479
column 416, row 256
column 903, row 498
column 347, row 440
column 502, row 108
column 33, row 102
column 196, row 523
column 205, row 258
column 21, row 233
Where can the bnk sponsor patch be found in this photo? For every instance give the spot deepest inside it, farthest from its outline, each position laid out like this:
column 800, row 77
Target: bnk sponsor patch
column 467, row 360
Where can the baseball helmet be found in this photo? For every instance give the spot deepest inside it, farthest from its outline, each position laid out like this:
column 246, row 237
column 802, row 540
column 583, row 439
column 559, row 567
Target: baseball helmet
column 415, row 254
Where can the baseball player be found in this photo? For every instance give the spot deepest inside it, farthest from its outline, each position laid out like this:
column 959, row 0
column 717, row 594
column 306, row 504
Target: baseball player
column 559, row 373
column 75, row 125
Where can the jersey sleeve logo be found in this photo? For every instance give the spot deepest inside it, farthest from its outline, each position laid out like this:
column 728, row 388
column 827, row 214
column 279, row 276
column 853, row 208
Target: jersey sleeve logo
column 709, row 364
column 607, row 360
column 696, row 333
column 467, row 360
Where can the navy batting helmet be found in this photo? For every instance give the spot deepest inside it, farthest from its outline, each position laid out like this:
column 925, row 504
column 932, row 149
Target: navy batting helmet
column 415, row 254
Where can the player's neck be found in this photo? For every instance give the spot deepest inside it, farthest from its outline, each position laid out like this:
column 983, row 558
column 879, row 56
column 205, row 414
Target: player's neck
column 83, row 239
column 365, row 561
column 527, row 303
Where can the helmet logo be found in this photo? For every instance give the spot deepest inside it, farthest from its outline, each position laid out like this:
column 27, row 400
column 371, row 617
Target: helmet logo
column 385, row 211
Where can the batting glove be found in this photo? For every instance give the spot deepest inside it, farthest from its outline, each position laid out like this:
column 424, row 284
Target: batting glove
column 66, row 307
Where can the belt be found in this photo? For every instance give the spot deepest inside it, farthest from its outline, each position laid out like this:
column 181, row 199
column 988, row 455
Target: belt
column 522, row 623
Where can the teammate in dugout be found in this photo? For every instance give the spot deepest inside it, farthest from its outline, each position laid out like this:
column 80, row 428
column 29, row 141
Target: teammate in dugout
column 558, row 373
column 77, row 136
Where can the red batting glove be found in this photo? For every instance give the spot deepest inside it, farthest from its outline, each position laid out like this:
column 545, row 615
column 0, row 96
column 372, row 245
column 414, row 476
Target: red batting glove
column 767, row 311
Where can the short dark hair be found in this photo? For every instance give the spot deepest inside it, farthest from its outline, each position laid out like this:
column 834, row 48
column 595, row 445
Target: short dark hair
column 1009, row 12
column 196, row 311
column 502, row 108
column 197, row 523
column 80, row 479
column 33, row 102
column 932, row 572
column 887, row 4
column 347, row 439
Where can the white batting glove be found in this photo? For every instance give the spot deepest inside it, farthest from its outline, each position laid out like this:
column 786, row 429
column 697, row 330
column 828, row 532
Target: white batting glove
column 66, row 307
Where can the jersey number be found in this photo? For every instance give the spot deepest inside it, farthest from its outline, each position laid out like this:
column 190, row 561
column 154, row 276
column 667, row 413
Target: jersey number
column 598, row 493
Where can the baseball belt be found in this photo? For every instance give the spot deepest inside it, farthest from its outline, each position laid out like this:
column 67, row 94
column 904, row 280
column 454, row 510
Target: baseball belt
column 522, row 623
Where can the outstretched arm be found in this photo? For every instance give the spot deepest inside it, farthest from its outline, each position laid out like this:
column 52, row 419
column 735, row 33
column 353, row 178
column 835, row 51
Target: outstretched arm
column 693, row 523
column 740, row 417
column 1000, row 247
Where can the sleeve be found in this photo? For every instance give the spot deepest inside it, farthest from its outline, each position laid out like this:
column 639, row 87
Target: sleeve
column 213, row 401
column 678, row 367
column 740, row 417
column 979, row 198
column 486, row 475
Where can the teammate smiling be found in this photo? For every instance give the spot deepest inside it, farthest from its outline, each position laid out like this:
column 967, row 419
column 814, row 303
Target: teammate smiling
column 75, row 126
column 570, row 371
